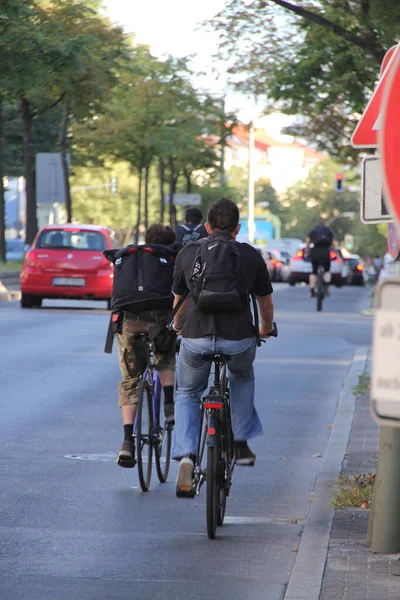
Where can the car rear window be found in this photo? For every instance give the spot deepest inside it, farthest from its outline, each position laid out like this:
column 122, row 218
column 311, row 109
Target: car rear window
column 59, row 239
column 353, row 262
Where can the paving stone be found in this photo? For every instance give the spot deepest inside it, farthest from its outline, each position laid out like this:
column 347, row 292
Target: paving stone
column 352, row 571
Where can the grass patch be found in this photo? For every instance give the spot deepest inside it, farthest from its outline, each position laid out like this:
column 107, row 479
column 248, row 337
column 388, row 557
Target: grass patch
column 354, row 491
column 11, row 265
column 363, row 385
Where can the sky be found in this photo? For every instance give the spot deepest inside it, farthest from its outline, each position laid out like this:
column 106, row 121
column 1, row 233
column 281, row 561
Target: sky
column 171, row 27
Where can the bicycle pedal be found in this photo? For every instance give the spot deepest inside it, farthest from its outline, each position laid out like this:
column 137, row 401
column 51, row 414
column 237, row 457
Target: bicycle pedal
column 185, row 492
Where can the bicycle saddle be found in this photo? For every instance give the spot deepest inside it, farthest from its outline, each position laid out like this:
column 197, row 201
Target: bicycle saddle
column 216, row 357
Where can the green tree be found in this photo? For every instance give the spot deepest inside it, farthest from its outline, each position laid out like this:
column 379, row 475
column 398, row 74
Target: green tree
column 48, row 49
column 316, row 58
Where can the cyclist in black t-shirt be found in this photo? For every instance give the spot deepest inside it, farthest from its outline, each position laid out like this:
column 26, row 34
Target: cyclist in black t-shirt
column 231, row 333
column 321, row 238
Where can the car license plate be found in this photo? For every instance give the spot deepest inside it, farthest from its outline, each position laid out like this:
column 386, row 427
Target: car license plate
column 69, row 281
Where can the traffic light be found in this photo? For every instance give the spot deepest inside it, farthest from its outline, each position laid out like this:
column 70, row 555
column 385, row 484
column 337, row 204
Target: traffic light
column 339, row 181
column 113, row 185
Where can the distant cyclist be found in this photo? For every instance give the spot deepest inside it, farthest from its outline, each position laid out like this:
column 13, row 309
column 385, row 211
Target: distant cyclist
column 192, row 228
column 319, row 242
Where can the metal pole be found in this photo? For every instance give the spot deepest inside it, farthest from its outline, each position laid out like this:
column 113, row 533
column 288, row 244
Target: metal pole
column 250, row 213
column 384, row 521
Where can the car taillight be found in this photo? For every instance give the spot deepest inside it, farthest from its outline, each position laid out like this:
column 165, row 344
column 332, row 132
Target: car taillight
column 360, row 267
column 332, row 255
column 30, row 259
column 278, row 264
column 273, row 261
column 300, row 254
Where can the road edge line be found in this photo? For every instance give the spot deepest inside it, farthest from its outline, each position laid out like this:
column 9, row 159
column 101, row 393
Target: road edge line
column 306, row 578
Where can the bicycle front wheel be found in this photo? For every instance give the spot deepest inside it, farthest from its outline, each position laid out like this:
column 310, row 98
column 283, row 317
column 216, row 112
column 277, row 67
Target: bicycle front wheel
column 144, row 435
column 163, row 452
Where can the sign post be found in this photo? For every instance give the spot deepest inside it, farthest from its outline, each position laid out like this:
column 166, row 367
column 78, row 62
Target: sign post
column 384, row 522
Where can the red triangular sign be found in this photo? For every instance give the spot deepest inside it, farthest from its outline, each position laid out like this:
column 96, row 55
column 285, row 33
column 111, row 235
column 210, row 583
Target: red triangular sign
column 365, row 134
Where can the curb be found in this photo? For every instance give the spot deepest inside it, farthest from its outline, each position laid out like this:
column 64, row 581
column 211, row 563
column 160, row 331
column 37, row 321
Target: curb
column 305, row 581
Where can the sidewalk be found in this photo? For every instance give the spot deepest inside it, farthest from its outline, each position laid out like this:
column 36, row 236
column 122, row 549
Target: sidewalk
column 352, row 571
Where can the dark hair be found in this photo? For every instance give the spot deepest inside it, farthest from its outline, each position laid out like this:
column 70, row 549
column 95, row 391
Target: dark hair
column 223, row 215
column 160, row 234
column 194, row 216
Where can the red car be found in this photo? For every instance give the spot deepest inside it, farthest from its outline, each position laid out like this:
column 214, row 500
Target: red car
column 66, row 261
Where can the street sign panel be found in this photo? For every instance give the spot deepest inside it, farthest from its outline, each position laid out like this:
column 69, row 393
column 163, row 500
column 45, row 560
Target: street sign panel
column 365, row 134
column 185, row 199
column 49, row 178
column 385, row 376
column 372, row 208
column 389, row 140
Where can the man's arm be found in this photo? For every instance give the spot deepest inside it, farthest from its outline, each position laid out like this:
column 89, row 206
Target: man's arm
column 266, row 310
column 177, row 324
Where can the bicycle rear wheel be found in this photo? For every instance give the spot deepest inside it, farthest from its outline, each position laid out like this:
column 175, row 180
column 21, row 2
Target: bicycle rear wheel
column 213, row 482
column 144, row 435
column 320, row 292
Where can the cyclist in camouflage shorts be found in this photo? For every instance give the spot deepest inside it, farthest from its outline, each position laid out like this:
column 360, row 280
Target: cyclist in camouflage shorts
column 133, row 356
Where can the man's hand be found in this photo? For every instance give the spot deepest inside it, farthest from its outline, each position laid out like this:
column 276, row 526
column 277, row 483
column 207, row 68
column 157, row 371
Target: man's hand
column 265, row 329
column 177, row 328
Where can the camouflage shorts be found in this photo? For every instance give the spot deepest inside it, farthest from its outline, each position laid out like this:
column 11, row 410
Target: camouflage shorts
column 134, row 355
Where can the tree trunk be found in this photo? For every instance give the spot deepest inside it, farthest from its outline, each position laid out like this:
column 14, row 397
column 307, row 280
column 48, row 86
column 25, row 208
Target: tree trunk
column 62, row 144
column 3, row 257
column 146, row 197
column 31, row 215
column 188, row 184
column 139, row 207
column 172, row 187
column 161, row 175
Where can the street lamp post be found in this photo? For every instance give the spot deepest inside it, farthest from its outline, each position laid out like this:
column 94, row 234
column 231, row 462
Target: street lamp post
column 250, row 203
column 345, row 215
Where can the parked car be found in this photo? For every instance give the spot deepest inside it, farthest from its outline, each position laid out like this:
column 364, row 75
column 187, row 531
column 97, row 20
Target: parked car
column 300, row 267
column 356, row 274
column 66, row 261
column 15, row 249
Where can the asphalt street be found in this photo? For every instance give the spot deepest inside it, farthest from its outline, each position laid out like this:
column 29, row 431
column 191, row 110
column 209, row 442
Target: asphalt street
column 74, row 525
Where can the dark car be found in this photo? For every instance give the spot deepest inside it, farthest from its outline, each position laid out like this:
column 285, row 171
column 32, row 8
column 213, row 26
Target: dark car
column 356, row 270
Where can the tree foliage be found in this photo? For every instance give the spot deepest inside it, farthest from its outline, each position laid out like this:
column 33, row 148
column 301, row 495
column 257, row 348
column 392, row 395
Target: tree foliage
column 315, row 58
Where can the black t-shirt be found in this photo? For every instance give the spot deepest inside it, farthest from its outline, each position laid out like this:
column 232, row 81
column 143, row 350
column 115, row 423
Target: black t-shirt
column 189, row 232
column 229, row 325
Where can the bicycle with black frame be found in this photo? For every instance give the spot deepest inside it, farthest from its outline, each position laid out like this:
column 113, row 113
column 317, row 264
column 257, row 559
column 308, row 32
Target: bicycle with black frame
column 217, row 437
column 151, row 431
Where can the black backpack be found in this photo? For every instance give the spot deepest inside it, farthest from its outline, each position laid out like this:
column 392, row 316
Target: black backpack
column 218, row 281
column 143, row 277
column 323, row 236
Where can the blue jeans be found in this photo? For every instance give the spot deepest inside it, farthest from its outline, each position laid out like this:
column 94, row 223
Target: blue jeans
column 193, row 373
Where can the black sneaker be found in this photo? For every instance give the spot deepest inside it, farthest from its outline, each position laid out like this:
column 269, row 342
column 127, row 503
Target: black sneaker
column 126, row 454
column 243, row 455
column 169, row 413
